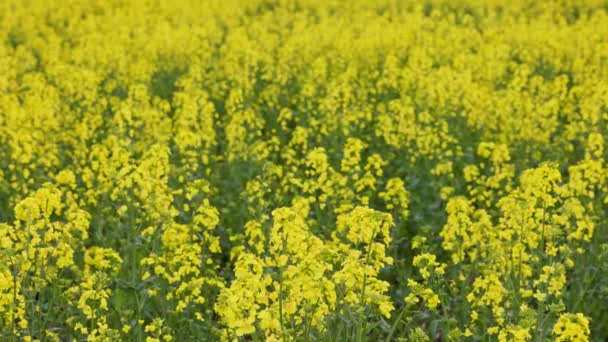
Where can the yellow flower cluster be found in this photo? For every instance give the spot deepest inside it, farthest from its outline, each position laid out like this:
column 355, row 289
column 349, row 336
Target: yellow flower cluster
column 49, row 229
column 571, row 327
column 297, row 281
column 518, row 255
column 247, row 170
column 91, row 295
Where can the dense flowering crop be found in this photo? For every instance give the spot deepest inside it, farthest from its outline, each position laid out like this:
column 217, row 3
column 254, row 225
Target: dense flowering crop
column 238, row 170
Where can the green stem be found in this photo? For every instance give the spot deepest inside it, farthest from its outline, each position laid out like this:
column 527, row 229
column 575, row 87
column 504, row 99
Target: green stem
column 363, row 323
column 394, row 326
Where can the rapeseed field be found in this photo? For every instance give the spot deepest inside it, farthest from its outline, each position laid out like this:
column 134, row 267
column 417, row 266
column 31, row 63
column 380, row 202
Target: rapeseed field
column 303, row 170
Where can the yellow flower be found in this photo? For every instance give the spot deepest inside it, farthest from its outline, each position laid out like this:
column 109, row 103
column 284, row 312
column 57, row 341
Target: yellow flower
column 572, row 327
